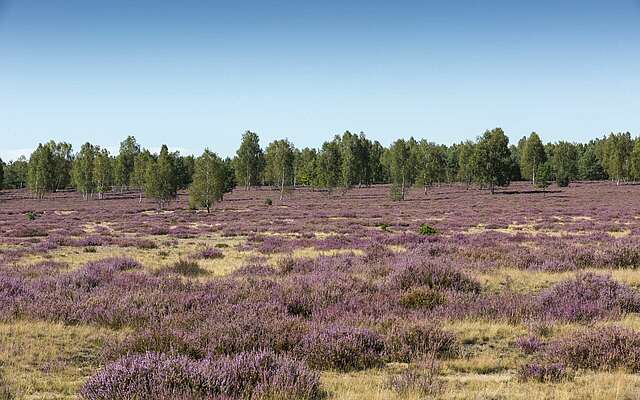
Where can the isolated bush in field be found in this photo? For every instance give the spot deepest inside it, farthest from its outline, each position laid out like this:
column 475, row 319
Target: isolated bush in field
column 529, row 344
column 342, row 348
column 268, row 201
column 406, row 342
column 422, row 298
column 210, row 253
column 604, row 348
column 422, row 380
column 543, row 373
column 259, row 375
column 186, row 268
column 588, row 297
column 427, row 230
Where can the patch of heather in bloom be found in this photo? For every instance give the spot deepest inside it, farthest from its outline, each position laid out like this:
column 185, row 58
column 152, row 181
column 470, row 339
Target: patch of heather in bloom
column 255, row 375
column 588, row 297
column 604, row 348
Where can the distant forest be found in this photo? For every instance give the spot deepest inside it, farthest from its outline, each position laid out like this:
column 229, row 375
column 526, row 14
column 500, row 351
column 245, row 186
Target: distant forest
column 343, row 162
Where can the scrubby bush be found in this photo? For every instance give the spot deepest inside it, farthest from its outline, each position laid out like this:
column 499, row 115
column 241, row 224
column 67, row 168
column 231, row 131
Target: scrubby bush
column 258, row 375
column 426, row 273
column 186, row 268
column 210, row 253
column 268, row 201
column 422, row 298
column 605, row 348
column 406, row 342
column 588, row 297
column 427, row 230
column 529, row 344
column 342, row 348
column 423, row 381
column 543, row 373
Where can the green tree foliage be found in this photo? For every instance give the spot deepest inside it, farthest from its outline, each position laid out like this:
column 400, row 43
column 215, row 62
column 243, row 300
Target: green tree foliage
column 401, row 167
column 634, row 161
column 565, row 162
column 61, row 163
column 83, row 169
column 617, row 152
column 125, row 161
column 589, row 167
column 140, row 166
column 2, row 166
column 305, row 166
column 249, row 161
column 40, row 175
column 493, row 159
column 160, row 178
column 184, row 167
column 102, row 172
column 279, row 168
column 328, row 172
column 466, row 162
column 208, row 184
column 15, row 173
column 430, row 163
column 533, row 155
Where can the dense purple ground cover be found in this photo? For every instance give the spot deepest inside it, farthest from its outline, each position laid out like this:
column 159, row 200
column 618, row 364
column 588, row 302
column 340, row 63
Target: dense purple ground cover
column 345, row 312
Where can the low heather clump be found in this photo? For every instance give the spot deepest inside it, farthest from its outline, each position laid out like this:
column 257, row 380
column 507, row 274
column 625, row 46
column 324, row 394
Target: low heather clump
column 257, row 375
column 529, row 344
column 210, row 253
column 605, row 348
column 186, row 268
column 434, row 274
column 588, row 297
column 424, row 382
column 342, row 348
column 422, row 298
column 543, row 373
column 406, row 342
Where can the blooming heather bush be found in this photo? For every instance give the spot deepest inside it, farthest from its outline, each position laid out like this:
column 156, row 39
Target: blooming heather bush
column 529, row 344
column 604, row 348
column 261, row 375
column 588, row 297
column 432, row 274
column 186, row 268
column 423, row 381
column 210, row 253
column 543, row 373
column 410, row 341
column 422, row 298
column 342, row 348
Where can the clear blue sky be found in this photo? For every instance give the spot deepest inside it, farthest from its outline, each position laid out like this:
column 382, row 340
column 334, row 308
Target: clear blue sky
column 199, row 73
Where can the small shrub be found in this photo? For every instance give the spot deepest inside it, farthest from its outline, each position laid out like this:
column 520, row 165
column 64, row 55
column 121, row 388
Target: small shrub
column 409, row 342
column 423, row 381
column 186, row 268
column 562, row 180
column 31, row 215
column 221, row 245
column 606, row 348
column 383, row 226
column 427, row 230
column 89, row 249
column 210, row 253
column 422, row 298
column 342, row 348
column 254, row 375
column 543, row 373
column 529, row 344
column 268, row 201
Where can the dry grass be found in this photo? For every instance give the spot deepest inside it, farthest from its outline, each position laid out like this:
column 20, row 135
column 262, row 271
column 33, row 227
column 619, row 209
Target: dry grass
column 48, row 360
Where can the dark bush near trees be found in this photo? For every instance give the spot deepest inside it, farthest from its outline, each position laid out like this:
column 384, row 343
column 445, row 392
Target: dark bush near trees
column 427, row 230
column 186, row 268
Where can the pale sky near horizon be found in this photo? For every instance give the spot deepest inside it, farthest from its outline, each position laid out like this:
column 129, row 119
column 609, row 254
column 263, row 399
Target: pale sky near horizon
column 195, row 74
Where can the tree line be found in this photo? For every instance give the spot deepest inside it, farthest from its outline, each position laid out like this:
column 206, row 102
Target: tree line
column 345, row 161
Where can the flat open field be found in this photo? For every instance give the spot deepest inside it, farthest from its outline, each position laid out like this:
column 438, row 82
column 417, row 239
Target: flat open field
column 519, row 295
